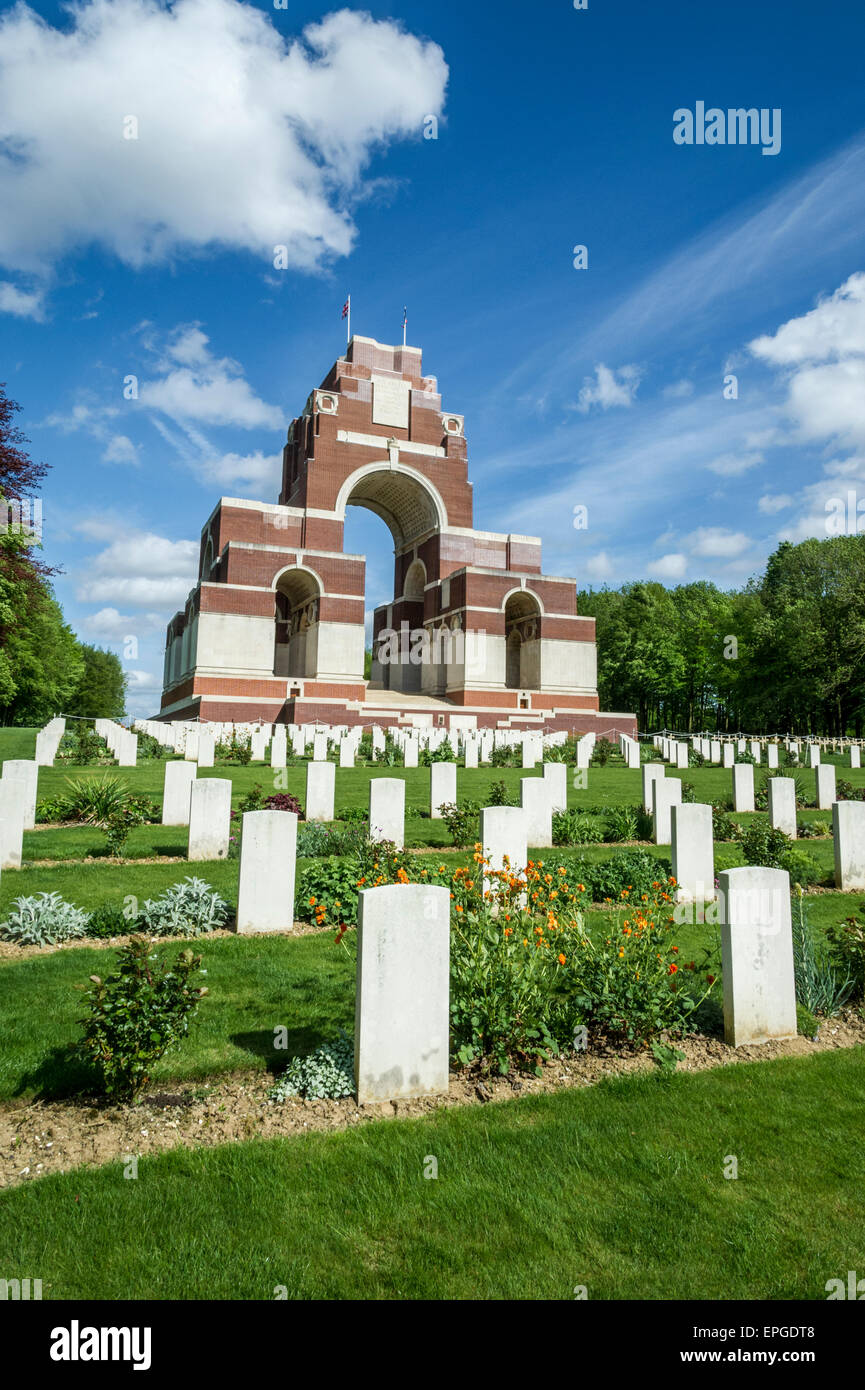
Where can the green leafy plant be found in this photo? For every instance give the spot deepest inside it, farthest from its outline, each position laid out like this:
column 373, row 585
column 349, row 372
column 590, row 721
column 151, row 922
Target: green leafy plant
column 575, row 828
column 847, row 940
column 137, row 1014
column 185, row 909
column 326, row 1074
column 823, row 983
column 498, row 795
column 763, row 845
column 94, row 799
column 52, row 810
column 461, row 821
column 109, row 920
column 723, row 828
column 621, row 824
column 43, row 920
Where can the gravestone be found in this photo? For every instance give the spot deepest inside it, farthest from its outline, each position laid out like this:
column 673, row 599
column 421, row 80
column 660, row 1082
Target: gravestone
column 209, row 818
column 402, row 1007
column 268, row 854
column 757, row 956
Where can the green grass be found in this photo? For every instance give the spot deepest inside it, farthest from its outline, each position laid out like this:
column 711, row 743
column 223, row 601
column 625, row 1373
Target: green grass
column 17, row 743
column 619, row 1188
column 305, row 984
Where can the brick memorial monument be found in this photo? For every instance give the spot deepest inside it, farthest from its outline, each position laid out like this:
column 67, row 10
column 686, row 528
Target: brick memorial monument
column 475, row 635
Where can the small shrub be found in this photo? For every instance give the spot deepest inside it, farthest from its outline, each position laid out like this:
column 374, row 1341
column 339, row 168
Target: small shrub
column 814, row 829
column 94, row 799
column 723, row 828
column 137, row 1014
column 51, row 810
column 253, row 800
column 185, row 909
column 632, row 870
column 461, row 821
column 499, row 795
column 43, row 920
column 847, row 940
column 823, row 984
column 109, row 920
column 327, row 890
column 326, row 1074
column 621, row 824
column 574, row 828
column 802, row 868
column 602, row 752
column 764, row 846
column 689, row 793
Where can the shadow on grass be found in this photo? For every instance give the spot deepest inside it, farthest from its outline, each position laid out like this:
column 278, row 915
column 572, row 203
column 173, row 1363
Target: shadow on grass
column 64, row 1072
column 293, row 1042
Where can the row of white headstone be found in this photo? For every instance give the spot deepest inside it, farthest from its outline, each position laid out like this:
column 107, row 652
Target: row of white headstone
column 340, row 740
column 687, row 828
column 724, row 750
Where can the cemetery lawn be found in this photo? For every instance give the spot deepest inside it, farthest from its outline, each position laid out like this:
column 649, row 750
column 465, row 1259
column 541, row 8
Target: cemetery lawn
column 619, row 1187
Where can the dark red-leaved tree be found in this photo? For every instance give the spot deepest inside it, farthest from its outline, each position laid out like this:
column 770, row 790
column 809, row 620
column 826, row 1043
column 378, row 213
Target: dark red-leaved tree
column 20, row 479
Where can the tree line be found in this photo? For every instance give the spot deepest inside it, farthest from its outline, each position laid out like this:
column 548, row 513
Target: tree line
column 782, row 654
column 44, row 669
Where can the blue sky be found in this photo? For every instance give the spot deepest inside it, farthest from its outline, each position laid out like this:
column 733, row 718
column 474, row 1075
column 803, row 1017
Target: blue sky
column 601, row 387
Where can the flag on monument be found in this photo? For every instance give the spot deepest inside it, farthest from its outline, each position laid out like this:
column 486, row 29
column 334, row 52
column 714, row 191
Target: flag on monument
column 346, row 307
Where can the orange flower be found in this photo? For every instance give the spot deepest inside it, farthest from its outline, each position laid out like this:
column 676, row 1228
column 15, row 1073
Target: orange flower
column 673, row 968
column 312, row 902
column 561, row 960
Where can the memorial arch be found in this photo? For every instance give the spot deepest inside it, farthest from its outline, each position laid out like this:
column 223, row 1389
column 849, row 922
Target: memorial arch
column 274, row 629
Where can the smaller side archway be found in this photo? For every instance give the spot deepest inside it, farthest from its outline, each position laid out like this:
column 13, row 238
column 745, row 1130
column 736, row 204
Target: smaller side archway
column 297, row 596
column 522, row 641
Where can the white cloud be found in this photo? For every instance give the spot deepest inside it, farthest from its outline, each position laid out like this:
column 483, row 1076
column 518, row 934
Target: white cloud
column 734, row 465
column 770, row 503
column 609, row 388
column 198, row 387
column 142, row 570
column 261, row 472
column 834, row 329
column 109, row 625
column 245, row 139
column 717, row 542
column 120, row 449
column 678, row 390
column 24, row 304
column 668, row 567
column 598, row 566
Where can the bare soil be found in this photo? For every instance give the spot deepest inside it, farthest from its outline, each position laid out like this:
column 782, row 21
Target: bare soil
column 42, row 1137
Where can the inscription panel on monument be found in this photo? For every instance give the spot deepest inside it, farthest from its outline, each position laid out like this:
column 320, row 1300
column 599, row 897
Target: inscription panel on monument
column 390, row 402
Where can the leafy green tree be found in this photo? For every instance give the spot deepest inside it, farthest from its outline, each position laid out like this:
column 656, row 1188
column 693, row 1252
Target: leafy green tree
column 101, row 691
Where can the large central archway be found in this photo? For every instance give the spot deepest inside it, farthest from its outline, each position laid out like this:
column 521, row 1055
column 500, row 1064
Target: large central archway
column 414, row 512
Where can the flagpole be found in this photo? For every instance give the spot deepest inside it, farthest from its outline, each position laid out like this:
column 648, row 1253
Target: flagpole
column 404, row 325
column 348, row 339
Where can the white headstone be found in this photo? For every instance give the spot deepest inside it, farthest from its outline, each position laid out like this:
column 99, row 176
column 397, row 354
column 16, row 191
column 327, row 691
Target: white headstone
column 651, row 773
column 402, row 1009
column 728, row 753
column 782, row 805
column 743, row 787
column 848, row 829
column 265, row 891
column 279, row 748
column 824, row 777
column 26, row 771
column 410, row 751
column 319, row 748
column 443, row 787
column 13, row 792
column 206, row 748
column 692, row 852
column 176, row 790
column 209, row 818
column 556, row 778
column 772, row 754
column 666, row 793
column 320, row 789
column 757, row 956
column 536, row 806
column 855, row 756
column 387, row 810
